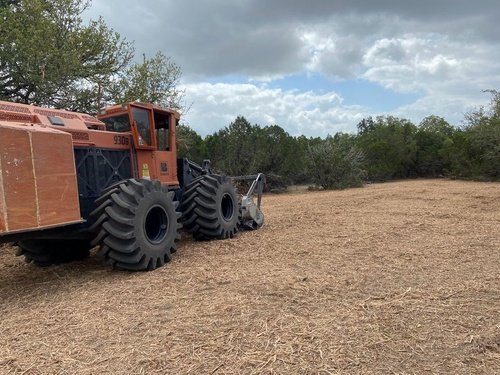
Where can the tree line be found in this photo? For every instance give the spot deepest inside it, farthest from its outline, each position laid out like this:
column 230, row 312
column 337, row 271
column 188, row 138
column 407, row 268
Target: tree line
column 384, row 148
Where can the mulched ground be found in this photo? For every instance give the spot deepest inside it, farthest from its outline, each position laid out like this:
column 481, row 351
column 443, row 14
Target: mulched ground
column 395, row 278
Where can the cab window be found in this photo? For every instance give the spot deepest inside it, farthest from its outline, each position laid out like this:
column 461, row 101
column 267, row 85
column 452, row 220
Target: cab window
column 141, row 118
column 117, row 123
column 161, row 130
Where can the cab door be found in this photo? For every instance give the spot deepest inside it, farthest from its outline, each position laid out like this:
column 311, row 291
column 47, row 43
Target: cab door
column 142, row 125
column 154, row 140
column 165, row 155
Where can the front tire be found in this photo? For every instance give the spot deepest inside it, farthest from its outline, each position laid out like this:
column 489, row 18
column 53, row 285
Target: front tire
column 136, row 224
column 210, row 207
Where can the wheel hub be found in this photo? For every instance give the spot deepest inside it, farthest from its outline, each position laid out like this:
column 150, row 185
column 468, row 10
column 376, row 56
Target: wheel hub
column 227, row 207
column 156, row 224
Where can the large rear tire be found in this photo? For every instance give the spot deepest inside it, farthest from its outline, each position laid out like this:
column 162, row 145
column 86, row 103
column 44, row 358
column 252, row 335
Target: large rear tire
column 210, row 208
column 136, row 225
column 46, row 252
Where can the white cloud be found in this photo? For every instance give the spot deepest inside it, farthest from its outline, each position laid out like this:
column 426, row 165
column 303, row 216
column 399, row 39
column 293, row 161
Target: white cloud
column 298, row 113
column 451, row 107
column 415, row 62
column 450, row 74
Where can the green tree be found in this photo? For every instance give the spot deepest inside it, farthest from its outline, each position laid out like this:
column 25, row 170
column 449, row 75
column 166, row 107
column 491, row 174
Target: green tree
column 277, row 155
column 336, row 163
column 477, row 145
column 49, row 57
column 389, row 147
column 366, row 125
column 155, row 80
column 300, row 172
column 190, row 144
column 6, row 3
column 434, row 139
column 233, row 150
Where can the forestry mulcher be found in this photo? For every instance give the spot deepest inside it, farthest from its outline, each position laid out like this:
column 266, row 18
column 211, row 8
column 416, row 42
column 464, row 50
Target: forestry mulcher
column 70, row 181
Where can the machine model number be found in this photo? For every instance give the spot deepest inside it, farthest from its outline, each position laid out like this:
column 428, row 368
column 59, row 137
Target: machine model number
column 121, row 140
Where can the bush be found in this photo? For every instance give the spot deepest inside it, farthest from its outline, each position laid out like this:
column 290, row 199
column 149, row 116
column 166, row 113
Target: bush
column 336, row 163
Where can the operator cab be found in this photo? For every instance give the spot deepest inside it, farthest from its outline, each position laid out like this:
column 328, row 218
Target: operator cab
column 151, row 125
column 152, row 131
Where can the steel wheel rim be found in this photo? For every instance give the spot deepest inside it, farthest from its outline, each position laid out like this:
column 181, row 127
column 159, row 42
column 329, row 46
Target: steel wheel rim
column 227, row 207
column 156, row 224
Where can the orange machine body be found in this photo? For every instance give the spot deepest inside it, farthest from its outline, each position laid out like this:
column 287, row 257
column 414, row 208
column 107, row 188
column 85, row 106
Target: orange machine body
column 55, row 163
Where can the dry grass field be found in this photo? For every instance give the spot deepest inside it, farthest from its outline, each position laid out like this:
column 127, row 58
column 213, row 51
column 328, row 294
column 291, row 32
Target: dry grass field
column 395, row 278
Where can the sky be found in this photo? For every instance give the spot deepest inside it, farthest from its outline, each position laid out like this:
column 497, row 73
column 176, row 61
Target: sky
column 318, row 67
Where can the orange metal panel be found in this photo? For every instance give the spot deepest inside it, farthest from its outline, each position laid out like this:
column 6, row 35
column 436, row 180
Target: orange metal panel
column 29, row 113
column 18, row 180
column 38, row 185
column 165, row 167
column 55, row 178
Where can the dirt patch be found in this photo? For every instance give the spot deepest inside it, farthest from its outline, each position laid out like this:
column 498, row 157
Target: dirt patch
column 396, row 278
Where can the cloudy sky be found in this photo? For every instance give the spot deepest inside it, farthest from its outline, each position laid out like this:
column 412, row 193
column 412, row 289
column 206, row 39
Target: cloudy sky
column 318, row 67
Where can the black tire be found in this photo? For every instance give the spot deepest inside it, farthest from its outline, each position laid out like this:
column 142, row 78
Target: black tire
column 45, row 252
column 136, row 225
column 210, row 208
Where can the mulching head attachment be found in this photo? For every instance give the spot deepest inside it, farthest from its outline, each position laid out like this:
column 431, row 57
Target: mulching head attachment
column 251, row 215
